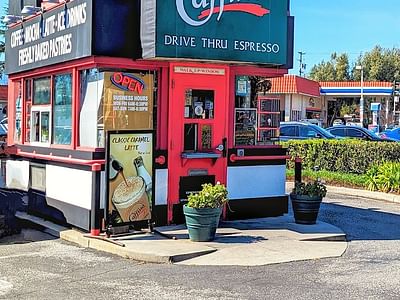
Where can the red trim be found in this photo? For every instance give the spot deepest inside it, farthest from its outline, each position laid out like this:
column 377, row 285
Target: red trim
column 75, row 108
column 253, row 9
column 234, row 157
column 313, row 109
column 95, row 232
column 70, row 160
column 325, row 84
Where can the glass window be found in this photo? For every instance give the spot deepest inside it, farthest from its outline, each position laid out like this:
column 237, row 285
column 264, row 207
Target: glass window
column 337, row 131
column 257, row 115
column 199, row 104
column 91, row 126
column 28, row 104
column 352, row 132
column 288, row 131
column 114, row 100
column 18, row 112
column 41, row 91
column 305, row 131
column 62, row 109
column 190, row 137
column 40, row 128
column 206, row 137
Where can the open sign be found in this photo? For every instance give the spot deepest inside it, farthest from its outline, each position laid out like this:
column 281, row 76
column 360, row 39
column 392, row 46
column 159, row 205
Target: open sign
column 127, row 82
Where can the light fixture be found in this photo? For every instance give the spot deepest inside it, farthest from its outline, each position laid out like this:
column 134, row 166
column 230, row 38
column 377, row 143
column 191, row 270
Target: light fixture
column 10, row 19
column 30, row 10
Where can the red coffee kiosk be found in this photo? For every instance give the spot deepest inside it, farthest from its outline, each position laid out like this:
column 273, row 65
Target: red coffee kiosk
column 166, row 96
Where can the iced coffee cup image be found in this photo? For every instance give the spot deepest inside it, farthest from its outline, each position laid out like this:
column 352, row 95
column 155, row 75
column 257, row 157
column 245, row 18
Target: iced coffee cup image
column 130, row 200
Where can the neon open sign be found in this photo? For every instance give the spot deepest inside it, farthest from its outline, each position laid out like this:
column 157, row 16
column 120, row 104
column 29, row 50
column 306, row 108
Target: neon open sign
column 127, row 82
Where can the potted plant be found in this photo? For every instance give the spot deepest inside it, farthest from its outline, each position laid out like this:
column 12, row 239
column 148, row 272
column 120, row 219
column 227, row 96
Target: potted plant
column 306, row 200
column 203, row 210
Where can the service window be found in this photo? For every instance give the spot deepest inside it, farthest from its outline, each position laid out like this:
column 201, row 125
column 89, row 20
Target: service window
column 40, row 111
column 198, row 132
column 199, row 104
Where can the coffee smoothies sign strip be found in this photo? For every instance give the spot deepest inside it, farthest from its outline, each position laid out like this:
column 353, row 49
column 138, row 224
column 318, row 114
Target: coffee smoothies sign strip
column 130, row 173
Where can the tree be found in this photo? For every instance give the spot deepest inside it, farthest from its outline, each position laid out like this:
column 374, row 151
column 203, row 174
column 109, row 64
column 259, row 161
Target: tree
column 3, row 28
column 337, row 69
column 380, row 64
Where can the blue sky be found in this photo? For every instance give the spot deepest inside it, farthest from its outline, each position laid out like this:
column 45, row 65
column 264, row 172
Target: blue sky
column 344, row 26
column 351, row 26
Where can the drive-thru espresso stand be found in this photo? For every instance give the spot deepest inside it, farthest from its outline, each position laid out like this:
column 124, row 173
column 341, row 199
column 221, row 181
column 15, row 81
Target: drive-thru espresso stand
column 127, row 106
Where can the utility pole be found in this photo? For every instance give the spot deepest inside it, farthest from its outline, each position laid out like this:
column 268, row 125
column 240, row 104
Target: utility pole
column 302, row 70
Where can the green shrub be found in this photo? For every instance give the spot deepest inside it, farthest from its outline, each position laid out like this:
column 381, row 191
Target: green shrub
column 312, row 189
column 345, row 156
column 332, row 178
column 384, row 178
column 211, row 196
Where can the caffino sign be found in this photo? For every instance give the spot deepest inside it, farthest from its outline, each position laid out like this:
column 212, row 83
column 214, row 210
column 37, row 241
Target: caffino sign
column 252, row 31
column 207, row 8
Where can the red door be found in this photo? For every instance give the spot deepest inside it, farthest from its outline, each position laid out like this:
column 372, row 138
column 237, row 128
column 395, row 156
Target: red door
column 197, row 128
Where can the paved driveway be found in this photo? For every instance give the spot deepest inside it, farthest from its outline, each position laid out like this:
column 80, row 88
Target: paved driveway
column 370, row 268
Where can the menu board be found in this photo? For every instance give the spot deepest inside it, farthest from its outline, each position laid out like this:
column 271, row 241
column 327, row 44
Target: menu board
column 129, row 176
column 245, row 126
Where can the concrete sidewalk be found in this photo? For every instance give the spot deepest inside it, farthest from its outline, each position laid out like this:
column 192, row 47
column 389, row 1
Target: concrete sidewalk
column 246, row 243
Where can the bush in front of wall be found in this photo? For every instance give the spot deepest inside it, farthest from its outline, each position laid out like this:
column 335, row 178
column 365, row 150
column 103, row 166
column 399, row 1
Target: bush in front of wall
column 346, row 156
column 384, row 178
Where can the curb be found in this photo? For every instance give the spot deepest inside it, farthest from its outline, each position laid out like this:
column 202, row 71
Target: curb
column 364, row 193
column 394, row 198
column 76, row 237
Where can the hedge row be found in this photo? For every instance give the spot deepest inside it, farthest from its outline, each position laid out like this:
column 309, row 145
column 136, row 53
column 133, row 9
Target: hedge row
column 346, row 156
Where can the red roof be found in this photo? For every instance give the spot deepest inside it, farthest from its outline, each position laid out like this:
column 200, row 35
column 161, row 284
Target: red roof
column 355, row 84
column 3, row 92
column 292, row 84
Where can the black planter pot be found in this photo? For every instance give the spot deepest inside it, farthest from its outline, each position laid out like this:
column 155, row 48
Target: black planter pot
column 305, row 208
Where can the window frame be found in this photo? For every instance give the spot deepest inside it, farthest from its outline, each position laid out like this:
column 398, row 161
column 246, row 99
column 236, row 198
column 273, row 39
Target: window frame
column 40, row 109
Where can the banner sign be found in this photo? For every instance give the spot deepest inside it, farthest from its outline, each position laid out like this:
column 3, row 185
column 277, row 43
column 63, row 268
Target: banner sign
column 227, row 30
column 59, row 35
column 129, row 176
column 128, row 101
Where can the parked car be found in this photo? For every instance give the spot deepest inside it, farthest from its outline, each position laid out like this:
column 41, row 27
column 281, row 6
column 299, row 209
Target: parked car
column 3, row 129
column 391, row 133
column 302, row 131
column 337, row 122
column 356, row 132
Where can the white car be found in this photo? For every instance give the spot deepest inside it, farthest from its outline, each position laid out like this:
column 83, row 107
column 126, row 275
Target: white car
column 337, row 122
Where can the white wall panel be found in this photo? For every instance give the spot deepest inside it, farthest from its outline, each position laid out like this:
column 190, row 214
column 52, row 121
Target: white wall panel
column 256, row 181
column 69, row 185
column 161, row 187
column 17, row 174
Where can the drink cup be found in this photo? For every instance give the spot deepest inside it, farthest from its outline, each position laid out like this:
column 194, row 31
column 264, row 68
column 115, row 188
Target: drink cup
column 131, row 200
